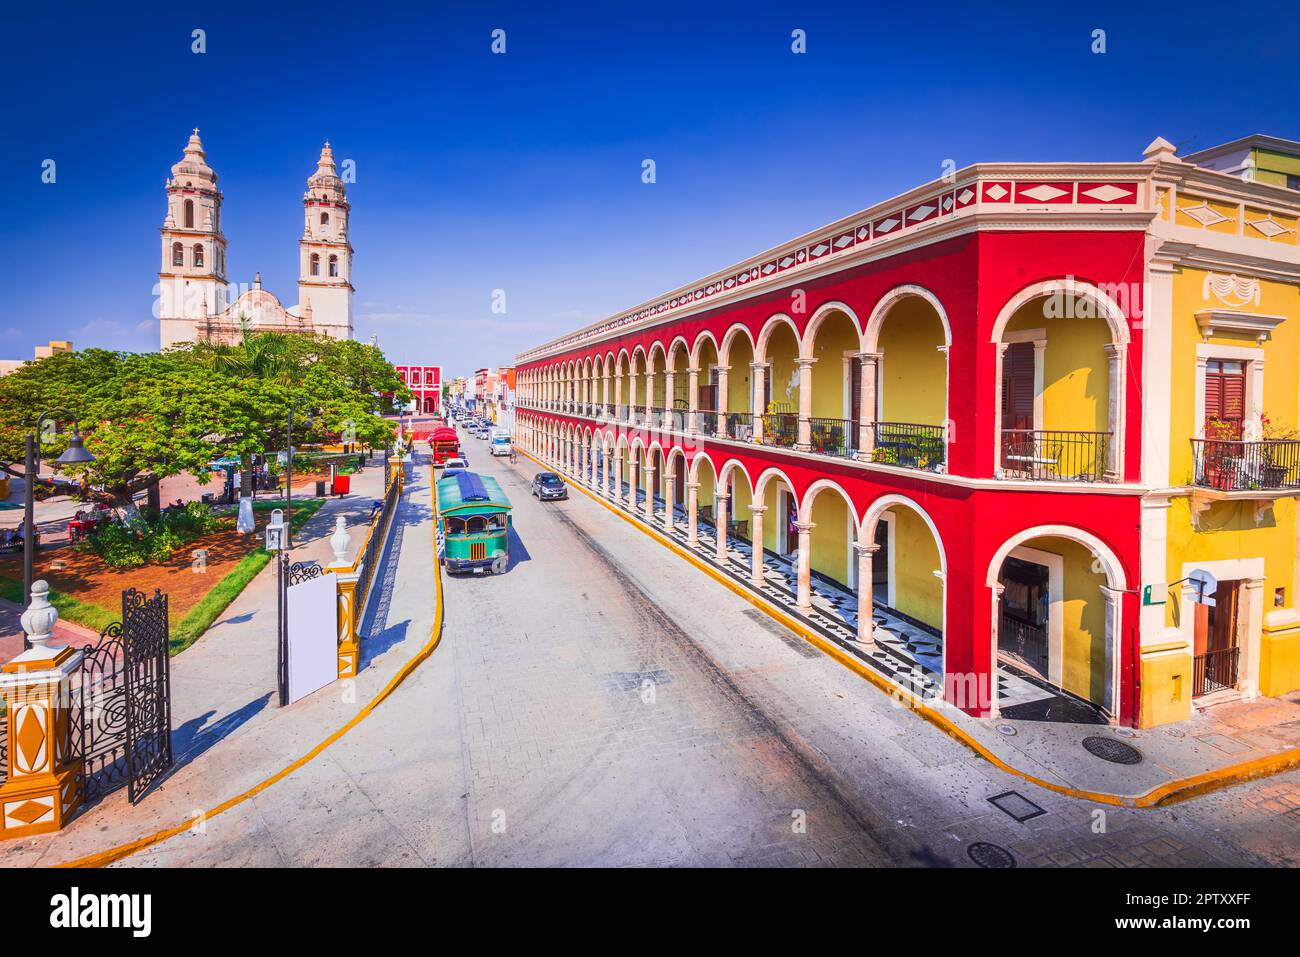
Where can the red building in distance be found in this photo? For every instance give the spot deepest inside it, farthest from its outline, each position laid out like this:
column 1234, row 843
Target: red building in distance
column 425, row 383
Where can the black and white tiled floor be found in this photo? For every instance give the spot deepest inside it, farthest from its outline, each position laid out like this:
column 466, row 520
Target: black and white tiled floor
column 906, row 653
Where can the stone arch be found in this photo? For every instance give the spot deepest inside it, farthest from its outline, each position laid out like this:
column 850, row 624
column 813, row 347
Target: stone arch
column 871, row 333
column 770, row 325
column 818, row 317
column 1107, row 307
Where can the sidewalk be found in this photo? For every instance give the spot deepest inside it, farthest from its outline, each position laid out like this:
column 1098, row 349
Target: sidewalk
column 228, row 733
column 1218, row 746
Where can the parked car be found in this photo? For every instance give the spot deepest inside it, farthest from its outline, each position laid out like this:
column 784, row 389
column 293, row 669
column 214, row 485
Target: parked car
column 455, row 465
column 547, row 487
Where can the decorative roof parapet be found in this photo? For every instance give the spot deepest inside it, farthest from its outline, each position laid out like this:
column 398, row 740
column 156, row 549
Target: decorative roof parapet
column 1001, row 190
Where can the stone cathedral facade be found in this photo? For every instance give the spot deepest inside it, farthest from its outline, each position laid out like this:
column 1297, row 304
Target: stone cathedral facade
column 196, row 300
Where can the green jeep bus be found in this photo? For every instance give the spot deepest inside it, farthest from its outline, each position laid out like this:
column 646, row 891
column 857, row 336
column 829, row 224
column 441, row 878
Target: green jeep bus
column 475, row 517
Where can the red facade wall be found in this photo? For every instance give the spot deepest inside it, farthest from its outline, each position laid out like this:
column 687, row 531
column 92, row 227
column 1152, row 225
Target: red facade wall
column 973, row 277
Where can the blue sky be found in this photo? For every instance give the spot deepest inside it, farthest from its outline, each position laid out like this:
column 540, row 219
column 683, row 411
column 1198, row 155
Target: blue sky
column 522, row 172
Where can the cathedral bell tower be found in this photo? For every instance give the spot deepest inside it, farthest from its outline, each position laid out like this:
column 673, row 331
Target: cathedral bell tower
column 192, row 281
column 325, row 255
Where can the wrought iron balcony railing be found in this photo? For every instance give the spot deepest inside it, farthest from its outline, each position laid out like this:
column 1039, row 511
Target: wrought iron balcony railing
column 738, row 426
column 706, row 422
column 836, row 437
column 1232, row 465
column 781, row 429
column 909, row 444
column 1056, row 455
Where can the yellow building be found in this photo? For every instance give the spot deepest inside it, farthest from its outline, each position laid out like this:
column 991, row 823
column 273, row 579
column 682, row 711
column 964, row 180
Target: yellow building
column 1221, row 454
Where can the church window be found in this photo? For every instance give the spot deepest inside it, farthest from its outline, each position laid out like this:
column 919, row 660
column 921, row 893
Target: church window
column 334, row 265
column 189, row 214
column 178, row 254
column 198, row 255
column 315, row 264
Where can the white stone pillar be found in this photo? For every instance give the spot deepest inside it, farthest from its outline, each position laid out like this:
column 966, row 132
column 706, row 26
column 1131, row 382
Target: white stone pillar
column 670, row 495
column 650, row 471
column 757, row 571
column 692, row 400
column 803, row 441
column 670, row 399
column 1115, row 362
column 618, row 477
column 759, row 380
column 870, row 363
column 866, row 628
column 803, row 594
column 720, row 526
column 692, row 514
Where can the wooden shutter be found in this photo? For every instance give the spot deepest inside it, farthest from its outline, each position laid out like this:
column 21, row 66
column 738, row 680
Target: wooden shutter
column 1018, row 386
column 1225, row 395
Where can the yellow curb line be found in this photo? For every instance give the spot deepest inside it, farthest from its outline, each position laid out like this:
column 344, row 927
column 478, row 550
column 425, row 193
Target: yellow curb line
column 125, row 850
column 1168, row 793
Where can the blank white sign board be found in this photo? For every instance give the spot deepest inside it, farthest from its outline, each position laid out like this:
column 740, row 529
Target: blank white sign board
column 313, row 635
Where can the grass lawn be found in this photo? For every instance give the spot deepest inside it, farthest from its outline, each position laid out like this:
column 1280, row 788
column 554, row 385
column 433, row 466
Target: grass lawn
column 86, row 592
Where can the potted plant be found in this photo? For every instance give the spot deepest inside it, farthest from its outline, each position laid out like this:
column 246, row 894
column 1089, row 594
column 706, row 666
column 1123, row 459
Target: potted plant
column 1279, row 453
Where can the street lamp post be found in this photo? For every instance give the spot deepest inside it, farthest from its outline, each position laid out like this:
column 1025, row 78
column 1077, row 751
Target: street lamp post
column 76, row 452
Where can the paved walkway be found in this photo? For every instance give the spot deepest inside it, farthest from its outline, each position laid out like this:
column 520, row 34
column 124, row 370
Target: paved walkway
column 228, row 733
column 1216, row 739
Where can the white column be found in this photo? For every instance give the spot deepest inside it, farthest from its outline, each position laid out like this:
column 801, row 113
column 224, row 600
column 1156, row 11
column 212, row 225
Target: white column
column 757, row 572
column 1115, row 360
column 720, row 525
column 866, row 629
column 759, row 380
column 870, row 362
column 670, row 387
column 803, row 594
column 618, row 477
column 670, row 493
column 692, row 516
column 692, row 399
column 650, row 471
column 803, row 441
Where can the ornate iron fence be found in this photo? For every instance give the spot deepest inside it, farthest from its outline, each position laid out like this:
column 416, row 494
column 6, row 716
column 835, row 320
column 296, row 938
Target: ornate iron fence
column 120, row 714
column 833, row 437
column 1056, row 455
column 1231, row 465
column 908, row 444
column 706, row 422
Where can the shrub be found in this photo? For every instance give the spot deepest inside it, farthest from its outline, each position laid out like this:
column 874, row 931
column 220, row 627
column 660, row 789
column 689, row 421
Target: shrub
column 143, row 540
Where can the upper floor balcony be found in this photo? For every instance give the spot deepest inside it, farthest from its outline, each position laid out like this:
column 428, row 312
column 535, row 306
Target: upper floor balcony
column 876, row 389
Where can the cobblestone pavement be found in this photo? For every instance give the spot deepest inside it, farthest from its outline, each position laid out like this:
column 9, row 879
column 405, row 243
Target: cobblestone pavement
column 604, row 703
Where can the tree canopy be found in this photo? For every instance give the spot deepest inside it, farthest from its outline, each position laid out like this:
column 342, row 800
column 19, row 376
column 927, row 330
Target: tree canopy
column 147, row 416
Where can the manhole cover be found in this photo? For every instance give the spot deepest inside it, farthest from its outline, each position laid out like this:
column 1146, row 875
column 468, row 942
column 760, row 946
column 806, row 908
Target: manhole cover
column 1006, row 729
column 990, row 855
column 1111, row 749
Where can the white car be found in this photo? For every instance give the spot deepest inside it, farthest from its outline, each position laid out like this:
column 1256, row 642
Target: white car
column 452, row 466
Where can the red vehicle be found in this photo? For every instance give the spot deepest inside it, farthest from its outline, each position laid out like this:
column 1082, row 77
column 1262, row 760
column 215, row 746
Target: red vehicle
column 445, row 444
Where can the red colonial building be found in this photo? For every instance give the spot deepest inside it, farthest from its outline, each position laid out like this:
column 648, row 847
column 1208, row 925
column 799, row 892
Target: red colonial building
column 932, row 408
column 425, row 383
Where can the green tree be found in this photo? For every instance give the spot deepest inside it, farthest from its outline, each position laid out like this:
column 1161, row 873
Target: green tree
column 143, row 416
